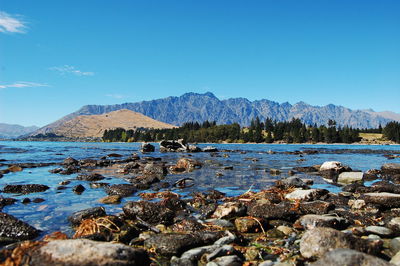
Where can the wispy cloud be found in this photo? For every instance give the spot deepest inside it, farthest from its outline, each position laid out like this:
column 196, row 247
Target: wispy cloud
column 11, row 23
column 116, row 96
column 67, row 69
column 22, row 84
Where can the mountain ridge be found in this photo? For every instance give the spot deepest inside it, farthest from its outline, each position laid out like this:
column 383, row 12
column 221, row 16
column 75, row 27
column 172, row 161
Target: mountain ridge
column 8, row 131
column 199, row 107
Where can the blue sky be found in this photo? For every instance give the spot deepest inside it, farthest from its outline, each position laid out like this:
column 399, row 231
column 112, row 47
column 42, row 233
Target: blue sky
column 56, row 56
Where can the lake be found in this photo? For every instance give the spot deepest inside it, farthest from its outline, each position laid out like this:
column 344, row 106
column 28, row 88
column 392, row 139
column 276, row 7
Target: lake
column 250, row 162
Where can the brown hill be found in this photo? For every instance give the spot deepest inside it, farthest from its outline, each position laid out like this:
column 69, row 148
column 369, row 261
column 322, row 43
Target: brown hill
column 94, row 125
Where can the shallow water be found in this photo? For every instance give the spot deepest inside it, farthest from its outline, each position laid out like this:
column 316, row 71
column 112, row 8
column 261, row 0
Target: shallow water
column 249, row 172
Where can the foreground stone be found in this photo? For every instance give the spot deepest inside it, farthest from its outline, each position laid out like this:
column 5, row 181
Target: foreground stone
column 318, row 241
column 87, row 252
column 11, row 227
column 25, row 189
column 349, row 257
column 383, row 199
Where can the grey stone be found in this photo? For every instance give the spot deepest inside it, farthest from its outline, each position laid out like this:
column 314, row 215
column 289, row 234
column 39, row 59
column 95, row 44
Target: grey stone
column 11, row 227
column 311, row 221
column 349, row 257
column 379, row 230
column 350, row 177
column 231, row 260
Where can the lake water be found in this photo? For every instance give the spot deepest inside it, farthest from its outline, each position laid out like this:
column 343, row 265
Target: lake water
column 250, row 171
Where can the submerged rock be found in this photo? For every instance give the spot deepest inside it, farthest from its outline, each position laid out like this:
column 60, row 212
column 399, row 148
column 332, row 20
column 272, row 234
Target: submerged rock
column 147, row 147
column 11, row 227
column 87, row 252
column 25, row 189
column 90, row 177
column 77, row 217
column 70, row 161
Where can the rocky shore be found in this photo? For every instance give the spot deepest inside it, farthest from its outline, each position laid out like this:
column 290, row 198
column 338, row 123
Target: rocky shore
column 289, row 223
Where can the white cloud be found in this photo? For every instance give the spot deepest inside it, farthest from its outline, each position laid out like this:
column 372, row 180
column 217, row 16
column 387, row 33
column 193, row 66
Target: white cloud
column 22, row 84
column 9, row 23
column 116, row 96
column 66, row 69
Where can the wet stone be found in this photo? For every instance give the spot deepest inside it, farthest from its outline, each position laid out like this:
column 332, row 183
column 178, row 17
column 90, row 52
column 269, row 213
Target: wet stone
column 11, row 227
column 147, row 147
column 90, row 177
column 38, row 200
column 77, row 217
column 350, row 177
column 78, row 189
column 25, row 189
column 172, row 244
column 293, row 181
column 113, row 199
column 379, row 230
column 123, row 190
column 70, row 161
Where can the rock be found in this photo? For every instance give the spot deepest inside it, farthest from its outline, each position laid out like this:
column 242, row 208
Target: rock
column 15, row 168
column 318, row 241
column 228, row 210
column 331, row 165
column 391, row 168
column 350, row 177
column 193, row 148
column 316, row 207
column 113, row 199
column 231, row 260
column 25, row 189
column 210, row 149
column 306, row 194
column 372, row 174
column 70, row 161
column 78, row 189
column 379, row 230
column 187, row 225
column 192, row 256
column 349, row 257
column 357, row 204
column 147, row 147
column 220, row 222
column 156, row 169
column 292, row 181
column 11, row 227
column 150, row 212
column 394, row 224
column 90, row 177
column 286, row 230
column 228, row 239
column 173, row 146
column 38, row 200
column 268, row 211
column 383, row 199
column 77, row 217
column 172, row 244
column 222, row 251
column 247, row 225
column 311, row 221
column 394, row 245
column 395, row 259
column 87, row 252
column 273, row 171
column 122, row 190
column 185, row 165
column 114, row 155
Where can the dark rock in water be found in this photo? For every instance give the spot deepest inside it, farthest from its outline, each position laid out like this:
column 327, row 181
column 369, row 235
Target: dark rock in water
column 13, row 228
column 87, row 253
column 25, row 189
column 70, row 161
column 193, row 148
column 210, row 149
column 144, row 181
column 69, row 170
column 38, row 200
column 293, row 181
column 172, row 244
column 155, row 169
column 349, row 257
column 6, row 201
column 391, row 168
column 77, row 217
column 115, row 155
column 88, row 162
column 78, row 189
column 318, row 241
column 150, row 212
column 123, row 190
column 372, row 174
column 307, row 169
column 26, row 200
column 147, row 147
column 185, row 165
column 173, row 146
column 90, row 177
column 1, row 175
column 55, row 171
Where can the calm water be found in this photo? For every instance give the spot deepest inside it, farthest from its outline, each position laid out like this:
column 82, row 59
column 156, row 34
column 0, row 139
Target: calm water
column 247, row 173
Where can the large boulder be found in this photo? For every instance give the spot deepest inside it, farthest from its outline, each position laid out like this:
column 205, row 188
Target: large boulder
column 79, row 252
column 173, row 146
column 350, row 178
column 349, row 257
column 318, row 241
column 14, row 229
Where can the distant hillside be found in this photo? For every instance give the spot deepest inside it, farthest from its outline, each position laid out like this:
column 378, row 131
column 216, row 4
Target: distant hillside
column 8, row 131
column 201, row 107
column 94, row 125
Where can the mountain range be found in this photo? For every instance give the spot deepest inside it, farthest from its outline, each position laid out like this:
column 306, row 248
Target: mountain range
column 8, row 131
column 200, row 107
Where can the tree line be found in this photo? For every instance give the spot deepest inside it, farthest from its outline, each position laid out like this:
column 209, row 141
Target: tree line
column 268, row 131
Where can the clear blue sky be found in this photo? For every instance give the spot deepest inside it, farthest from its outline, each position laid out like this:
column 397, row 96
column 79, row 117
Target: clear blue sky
column 56, row 56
